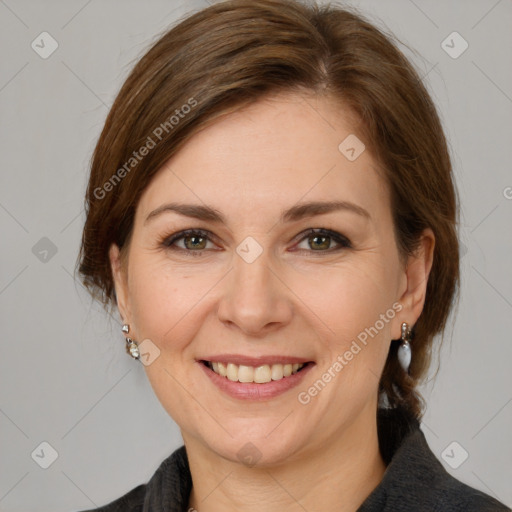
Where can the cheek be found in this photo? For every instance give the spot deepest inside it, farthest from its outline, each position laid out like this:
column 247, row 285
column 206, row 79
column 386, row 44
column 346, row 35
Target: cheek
column 164, row 296
column 154, row 301
column 350, row 296
column 166, row 304
column 356, row 306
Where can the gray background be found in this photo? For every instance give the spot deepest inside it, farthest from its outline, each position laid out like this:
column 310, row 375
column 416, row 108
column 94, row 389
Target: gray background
column 65, row 378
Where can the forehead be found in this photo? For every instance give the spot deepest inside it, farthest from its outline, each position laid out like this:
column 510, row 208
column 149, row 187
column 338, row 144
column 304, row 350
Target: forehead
column 269, row 155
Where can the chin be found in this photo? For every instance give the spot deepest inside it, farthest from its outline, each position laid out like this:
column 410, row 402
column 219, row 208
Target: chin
column 257, row 447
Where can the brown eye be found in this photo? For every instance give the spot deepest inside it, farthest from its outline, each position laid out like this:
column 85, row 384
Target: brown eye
column 193, row 241
column 320, row 240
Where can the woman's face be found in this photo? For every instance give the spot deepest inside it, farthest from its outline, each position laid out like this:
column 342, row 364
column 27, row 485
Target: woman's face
column 257, row 288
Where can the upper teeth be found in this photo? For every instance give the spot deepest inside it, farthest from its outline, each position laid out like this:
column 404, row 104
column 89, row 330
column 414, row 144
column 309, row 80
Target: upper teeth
column 259, row 374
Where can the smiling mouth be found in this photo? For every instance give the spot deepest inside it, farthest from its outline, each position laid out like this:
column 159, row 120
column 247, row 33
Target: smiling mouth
column 251, row 374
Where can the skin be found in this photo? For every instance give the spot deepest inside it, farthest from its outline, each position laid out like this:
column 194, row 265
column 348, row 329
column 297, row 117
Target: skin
column 309, row 302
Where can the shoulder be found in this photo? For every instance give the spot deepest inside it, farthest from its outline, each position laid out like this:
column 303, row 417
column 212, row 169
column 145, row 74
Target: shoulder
column 448, row 493
column 417, row 472
column 132, row 501
column 452, row 495
column 415, row 479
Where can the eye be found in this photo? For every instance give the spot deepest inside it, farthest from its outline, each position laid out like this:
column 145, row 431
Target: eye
column 194, row 241
column 319, row 240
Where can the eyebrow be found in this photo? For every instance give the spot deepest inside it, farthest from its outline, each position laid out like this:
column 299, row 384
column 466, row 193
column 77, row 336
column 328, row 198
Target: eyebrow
column 293, row 214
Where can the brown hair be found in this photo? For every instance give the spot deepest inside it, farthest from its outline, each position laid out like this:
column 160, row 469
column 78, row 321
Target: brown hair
column 234, row 53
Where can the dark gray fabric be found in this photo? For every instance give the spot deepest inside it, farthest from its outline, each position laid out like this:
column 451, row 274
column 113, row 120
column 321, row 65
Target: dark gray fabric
column 414, row 480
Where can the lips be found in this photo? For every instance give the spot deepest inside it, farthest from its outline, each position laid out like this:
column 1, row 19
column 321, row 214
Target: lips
column 254, row 378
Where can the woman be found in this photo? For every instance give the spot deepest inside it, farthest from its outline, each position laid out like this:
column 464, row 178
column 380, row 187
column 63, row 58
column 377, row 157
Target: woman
column 271, row 209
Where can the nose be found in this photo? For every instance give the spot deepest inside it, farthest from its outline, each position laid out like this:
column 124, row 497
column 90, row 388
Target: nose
column 255, row 300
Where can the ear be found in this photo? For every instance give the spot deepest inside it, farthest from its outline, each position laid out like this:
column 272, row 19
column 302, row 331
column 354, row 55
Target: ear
column 415, row 280
column 120, row 277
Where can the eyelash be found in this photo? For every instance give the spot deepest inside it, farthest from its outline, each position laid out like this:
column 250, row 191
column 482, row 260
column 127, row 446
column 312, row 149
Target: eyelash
column 168, row 241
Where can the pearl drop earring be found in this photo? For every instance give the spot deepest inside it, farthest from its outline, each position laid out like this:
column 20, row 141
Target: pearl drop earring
column 404, row 350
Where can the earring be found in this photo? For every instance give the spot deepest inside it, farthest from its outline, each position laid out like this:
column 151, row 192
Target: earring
column 404, row 350
column 131, row 346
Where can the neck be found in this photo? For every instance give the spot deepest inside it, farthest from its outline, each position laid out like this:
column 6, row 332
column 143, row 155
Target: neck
column 338, row 475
